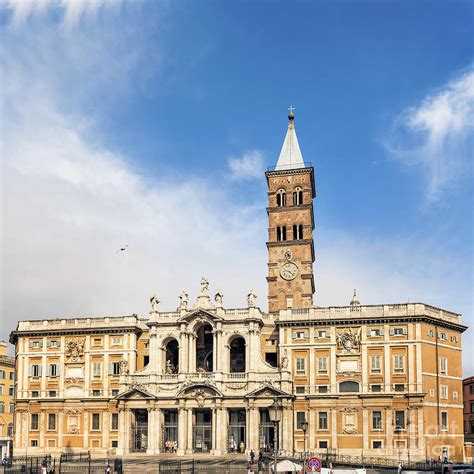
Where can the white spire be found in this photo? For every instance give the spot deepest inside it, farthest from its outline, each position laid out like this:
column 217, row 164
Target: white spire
column 290, row 154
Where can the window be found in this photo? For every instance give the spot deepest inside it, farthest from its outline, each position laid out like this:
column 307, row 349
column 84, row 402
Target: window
column 53, row 370
column 116, row 341
column 431, row 333
column 399, row 364
column 11, row 408
column 281, row 233
column 297, row 197
column 97, row 341
column 10, row 430
column 37, row 344
column 115, row 444
column 398, row 331
column 321, row 334
column 114, row 421
column 34, row 443
column 271, row 342
column 348, row 386
column 1, row 389
column 34, row 421
column 454, row 339
column 115, row 392
column 300, row 418
column 376, row 444
column 2, row 374
column 2, row 407
column 375, row 364
column 281, row 198
column 377, row 332
column 300, row 390
column 323, row 445
column 322, row 420
column 300, row 335
column 376, row 420
column 96, row 366
column 11, row 391
column 297, row 232
column 51, row 421
column 54, row 343
column 115, row 368
column 443, row 365
column 96, row 392
column 12, row 375
column 52, row 393
column 443, row 392
column 95, row 425
column 376, row 388
column 322, row 389
column 322, row 365
column 34, row 394
column 301, row 365
column 455, row 395
column 399, row 387
column 35, row 370
column 471, row 389
column 472, row 407
column 444, row 421
column 399, row 420
column 442, row 336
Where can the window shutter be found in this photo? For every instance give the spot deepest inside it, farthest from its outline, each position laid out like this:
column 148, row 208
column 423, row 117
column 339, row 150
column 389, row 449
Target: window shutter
column 392, row 332
column 39, row 370
column 382, row 332
column 405, row 331
column 30, row 345
column 30, row 370
column 368, row 332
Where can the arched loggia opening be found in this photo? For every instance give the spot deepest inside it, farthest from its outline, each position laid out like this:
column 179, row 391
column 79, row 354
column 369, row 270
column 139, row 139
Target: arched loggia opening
column 204, row 348
column 172, row 357
column 237, row 355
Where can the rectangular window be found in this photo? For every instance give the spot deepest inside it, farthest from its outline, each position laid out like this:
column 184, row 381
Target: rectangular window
column 454, row 339
column 443, row 365
column 376, row 420
column 114, row 444
column 398, row 331
column 53, row 370
column 115, row 368
column 322, row 365
column 471, row 389
column 114, row 420
column 399, row 387
column 300, row 335
column 442, row 336
column 95, row 425
column 300, row 418
column 35, row 370
column 399, row 420
column 116, row 341
column 52, row 393
column 322, row 389
column 11, row 391
column 455, row 395
column 322, row 420
column 323, row 445
column 34, row 443
column 443, row 392
column 12, row 408
column 96, row 369
column 300, row 390
column 321, row 334
column 376, row 444
column 54, row 343
column 37, row 344
column 12, row 375
column 375, row 364
column 399, row 364
column 376, row 388
column 51, row 421
column 34, row 394
column 34, row 421
column 2, row 407
column 472, row 407
column 301, row 365
column 2, row 374
column 115, row 392
column 375, row 332
column 444, row 421
column 97, row 341
column 96, row 393
column 1, row 389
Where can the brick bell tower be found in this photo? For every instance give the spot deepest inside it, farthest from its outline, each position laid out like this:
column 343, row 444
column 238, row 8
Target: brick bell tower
column 291, row 191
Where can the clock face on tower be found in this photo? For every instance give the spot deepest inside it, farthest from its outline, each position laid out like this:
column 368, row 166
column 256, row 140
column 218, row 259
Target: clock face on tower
column 289, row 271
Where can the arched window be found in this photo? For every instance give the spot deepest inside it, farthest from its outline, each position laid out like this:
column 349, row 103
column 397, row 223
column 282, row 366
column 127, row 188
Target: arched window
column 297, row 196
column 281, row 198
column 281, row 233
column 172, row 357
column 348, row 386
column 297, row 232
column 237, row 355
column 204, row 348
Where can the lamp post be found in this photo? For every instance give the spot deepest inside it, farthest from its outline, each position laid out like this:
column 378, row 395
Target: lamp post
column 304, row 427
column 274, row 412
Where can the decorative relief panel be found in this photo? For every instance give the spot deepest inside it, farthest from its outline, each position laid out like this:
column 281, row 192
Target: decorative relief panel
column 74, row 350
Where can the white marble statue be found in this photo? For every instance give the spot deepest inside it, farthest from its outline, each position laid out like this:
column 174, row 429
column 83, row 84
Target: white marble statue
column 251, row 297
column 154, row 303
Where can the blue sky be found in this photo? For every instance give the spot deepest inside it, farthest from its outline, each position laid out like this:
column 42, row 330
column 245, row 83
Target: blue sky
column 151, row 123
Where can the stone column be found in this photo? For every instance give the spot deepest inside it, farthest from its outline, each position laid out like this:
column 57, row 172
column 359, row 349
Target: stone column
column 60, row 428
column 182, row 350
column 214, row 431
column 105, row 429
column 223, row 431
column 189, row 440
column 121, row 433
column 333, row 428
column 389, row 432
column 86, row 430
column 286, row 429
column 214, row 351
column 254, row 426
column 181, row 431
column 311, row 446
column 151, row 431
column 153, row 350
column 158, row 428
column 365, row 429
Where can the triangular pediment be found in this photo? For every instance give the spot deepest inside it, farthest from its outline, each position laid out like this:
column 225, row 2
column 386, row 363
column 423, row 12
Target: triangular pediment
column 268, row 391
column 200, row 313
column 135, row 393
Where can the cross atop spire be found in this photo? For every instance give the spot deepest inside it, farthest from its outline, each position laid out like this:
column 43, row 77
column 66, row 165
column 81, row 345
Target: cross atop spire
column 290, row 155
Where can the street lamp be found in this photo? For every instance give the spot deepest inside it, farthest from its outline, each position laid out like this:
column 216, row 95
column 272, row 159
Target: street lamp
column 274, row 412
column 304, row 427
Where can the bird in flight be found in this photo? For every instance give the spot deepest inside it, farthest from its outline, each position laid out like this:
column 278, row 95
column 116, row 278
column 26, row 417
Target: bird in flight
column 122, row 249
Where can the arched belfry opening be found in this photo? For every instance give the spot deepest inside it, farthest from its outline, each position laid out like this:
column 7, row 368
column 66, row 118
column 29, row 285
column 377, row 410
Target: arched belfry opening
column 172, row 357
column 237, row 355
column 204, row 348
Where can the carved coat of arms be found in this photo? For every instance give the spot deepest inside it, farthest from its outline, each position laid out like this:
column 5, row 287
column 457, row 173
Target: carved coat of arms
column 74, row 350
column 349, row 340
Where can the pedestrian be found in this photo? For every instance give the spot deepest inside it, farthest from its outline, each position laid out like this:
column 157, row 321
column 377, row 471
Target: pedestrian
column 107, row 469
column 400, row 468
column 252, row 457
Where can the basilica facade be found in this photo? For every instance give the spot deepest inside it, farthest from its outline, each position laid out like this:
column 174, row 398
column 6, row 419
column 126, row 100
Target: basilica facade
column 377, row 380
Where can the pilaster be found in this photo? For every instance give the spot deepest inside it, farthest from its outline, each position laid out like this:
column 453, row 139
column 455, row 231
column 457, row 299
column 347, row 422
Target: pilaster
column 181, row 431
column 189, row 434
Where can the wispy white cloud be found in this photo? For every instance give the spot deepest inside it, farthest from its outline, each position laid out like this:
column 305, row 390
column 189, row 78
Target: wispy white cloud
column 437, row 136
column 248, row 167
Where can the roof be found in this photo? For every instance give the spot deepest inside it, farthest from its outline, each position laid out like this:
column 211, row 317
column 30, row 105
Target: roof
column 290, row 154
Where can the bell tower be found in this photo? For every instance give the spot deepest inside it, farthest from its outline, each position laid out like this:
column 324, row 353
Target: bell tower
column 291, row 191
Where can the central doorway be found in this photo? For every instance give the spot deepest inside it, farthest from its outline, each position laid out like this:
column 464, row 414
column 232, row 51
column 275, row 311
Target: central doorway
column 202, row 431
column 267, row 432
column 236, row 437
column 140, row 431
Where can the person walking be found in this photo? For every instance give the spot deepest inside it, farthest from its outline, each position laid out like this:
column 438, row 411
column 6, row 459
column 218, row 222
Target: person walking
column 400, row 468
column 252, row 457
